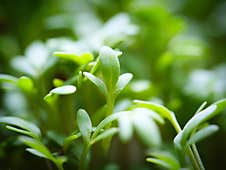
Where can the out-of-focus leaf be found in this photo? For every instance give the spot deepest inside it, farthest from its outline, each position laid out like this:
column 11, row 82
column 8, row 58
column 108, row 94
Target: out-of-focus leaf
column 37, row 153
column 26, row 84
column 79, row 59
column 123, row 80
column 107, row 133
column 98, row 82
column 165, row 160
column 147, row 130
column 64, row 90
column 5, row 78
column 24, row 132
column 38, row 146
column 151, row 114
column 84, row 124
column 69, row 139
column 17, row 122
column 125, row 128
column 110, row 66
column 203, row 133
column 163, row 111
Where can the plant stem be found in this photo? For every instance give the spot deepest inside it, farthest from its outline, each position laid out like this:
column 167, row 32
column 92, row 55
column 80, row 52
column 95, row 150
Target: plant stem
column 60, row 167
column 195, row 158
column 82, row 163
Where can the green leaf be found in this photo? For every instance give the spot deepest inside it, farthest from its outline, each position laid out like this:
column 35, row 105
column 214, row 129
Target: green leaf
column 24, row 132
column 98, row 82
column 123, row 80
column 26, row 84
column 164, row 159
column 70, row 139
column 37, row 153
column 79, row 59
column 163, row 111
column 106, row 134
column 64, row 90
column 110, row 66
column 125, row 128
column 5, row 78
column 203, row 133
column 38, row 147
column 84, row 124
column 106, row 121
column 194, row 122
column 151, row 114
column 17, row 122
column 147, row 130
column 159, row 162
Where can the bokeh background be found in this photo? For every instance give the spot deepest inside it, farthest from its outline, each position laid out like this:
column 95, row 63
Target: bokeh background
column 176, row 50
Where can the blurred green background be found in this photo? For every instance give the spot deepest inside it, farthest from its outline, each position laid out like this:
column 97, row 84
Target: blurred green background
column 176, row 50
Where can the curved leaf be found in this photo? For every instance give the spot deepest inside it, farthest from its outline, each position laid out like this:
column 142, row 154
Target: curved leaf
column 98, row 82
column 84, row 124
column 123, row 80
column 18, row 122
column 125, row 128
column 64, row 90
column 110, row 66
column 203, row 133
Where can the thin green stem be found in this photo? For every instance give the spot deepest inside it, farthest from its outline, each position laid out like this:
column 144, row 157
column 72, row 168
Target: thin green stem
column 197, row 156
column 60, row 167
column 83, row 158
column 195, row 161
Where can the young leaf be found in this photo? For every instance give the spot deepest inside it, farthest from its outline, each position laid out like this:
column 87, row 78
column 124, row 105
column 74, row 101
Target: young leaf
column 25, row 84
column 151, row 114
column 123, row 80
column 98, row 82
column 38, row 146
column 69, row 139
column 8, row 79
column 193, row 123
column 79, row 59
column 110, row 66
column 21, row 131
column 165, row 160
column 107, row 133
column 17, row 122
column 125, row 128
column 37, row 153
column 163, row 111
column 84, row 124
column 64, row 90
column 203, row 133
column 147, row 130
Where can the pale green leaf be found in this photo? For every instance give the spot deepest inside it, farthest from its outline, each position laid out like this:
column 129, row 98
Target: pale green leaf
column 38, row 146
column 147, row 130
column 123, row 80
column 18, row 122
column 164, row 159
column 79, row 59
column 110, row 66
column 64, row 90
column 98, row 82
column 37, row 153
column 125, row 128
column 106, row 134
column 203, row 133
column 84, row 124
column 5, row 78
